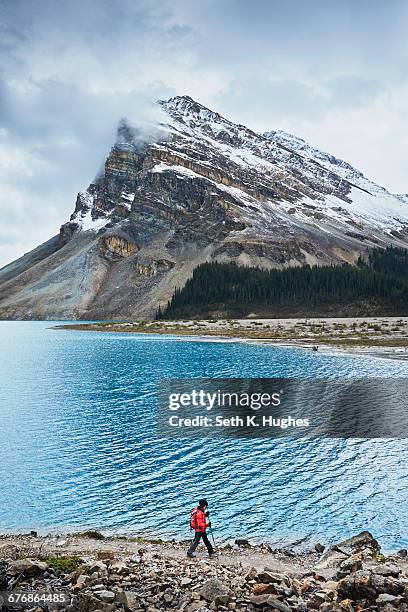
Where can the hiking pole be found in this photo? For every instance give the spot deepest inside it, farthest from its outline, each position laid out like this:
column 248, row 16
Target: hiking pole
column 210, row 527
column 212, row 535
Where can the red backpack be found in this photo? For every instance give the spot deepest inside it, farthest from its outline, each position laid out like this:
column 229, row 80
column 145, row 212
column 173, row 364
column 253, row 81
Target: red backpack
column 193, row 517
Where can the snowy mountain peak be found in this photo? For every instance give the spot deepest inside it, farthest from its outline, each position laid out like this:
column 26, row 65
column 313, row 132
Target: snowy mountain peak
column 185, row 106
column 191, row 186
column 278, row 175
column 194, row 114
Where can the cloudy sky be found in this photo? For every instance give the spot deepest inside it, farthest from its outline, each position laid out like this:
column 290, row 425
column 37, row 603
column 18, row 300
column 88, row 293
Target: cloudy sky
column 331, row 71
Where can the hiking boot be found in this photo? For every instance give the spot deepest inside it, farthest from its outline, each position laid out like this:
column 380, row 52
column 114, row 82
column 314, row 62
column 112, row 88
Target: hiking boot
column 191, row 555
column 212, row 554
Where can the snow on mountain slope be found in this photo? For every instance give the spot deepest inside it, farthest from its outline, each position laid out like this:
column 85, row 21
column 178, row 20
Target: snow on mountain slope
column 191, row 188
column 403, row 197
column 267, row 171
column 385, row 206
column 246, row 148
column 330, row 185
column 339, row 166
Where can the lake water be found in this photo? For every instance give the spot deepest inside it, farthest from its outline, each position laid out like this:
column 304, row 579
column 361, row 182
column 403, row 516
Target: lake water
column 78, row 446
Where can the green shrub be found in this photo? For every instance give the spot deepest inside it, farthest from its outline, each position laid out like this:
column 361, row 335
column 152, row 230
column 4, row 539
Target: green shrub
column 65, row 564
column 92, row 534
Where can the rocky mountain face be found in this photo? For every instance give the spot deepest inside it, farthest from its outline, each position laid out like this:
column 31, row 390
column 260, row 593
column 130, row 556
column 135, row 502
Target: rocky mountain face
column 197, row 187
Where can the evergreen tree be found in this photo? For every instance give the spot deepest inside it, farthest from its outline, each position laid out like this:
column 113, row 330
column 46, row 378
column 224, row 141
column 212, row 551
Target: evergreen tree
column 382, row 273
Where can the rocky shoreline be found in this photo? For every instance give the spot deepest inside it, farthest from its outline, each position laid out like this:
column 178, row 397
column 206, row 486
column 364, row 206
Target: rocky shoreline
column 384, row 337
column 99, row 574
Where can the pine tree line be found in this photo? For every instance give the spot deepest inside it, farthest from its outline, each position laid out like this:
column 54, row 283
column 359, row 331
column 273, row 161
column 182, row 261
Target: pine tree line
column 381, row 274
column 392, row 260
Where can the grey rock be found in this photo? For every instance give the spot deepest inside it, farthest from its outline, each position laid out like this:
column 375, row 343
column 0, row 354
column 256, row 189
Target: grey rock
column 386, row 569
column 357, row 586
column 386, row 598
column 84, row 602
column 332, row 557
column 364, row 541
column 268, row 601
column 301, row 605
column 163, row 582
column 105, row 595
column 242, row 542
column 60, row 543
column 214, row 590
column 387, row 584
column 29, row 567
column 96, row 566
column 266, row 576
column 128, row 599
column 352, row 564
column 118, row 567
column 250, row 574
column 275, row 604
column 259, row 601
column 195, row 606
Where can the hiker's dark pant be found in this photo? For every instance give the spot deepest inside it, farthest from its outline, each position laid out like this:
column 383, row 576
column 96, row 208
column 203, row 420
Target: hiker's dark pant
column 196, row 541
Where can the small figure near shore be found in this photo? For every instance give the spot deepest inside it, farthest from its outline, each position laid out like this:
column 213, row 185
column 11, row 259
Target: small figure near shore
column 198, row 522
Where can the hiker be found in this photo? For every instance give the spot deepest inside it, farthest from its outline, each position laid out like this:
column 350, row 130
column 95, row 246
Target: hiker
column 198, row 522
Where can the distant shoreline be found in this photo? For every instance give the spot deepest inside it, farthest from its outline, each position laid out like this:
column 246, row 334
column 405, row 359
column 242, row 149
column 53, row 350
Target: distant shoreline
column 381, row 337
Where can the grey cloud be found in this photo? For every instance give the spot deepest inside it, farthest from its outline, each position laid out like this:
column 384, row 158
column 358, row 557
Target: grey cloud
column 313, row 38
column 283, row 99
column 275, row 100
column 352, row 91
column 8, row 240
column 71, row 69
column 70, row 129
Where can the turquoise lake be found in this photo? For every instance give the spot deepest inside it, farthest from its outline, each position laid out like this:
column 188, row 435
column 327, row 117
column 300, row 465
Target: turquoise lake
column 78, row 445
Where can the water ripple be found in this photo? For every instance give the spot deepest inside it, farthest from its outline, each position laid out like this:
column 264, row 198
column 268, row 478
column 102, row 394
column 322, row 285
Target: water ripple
column 77, row 414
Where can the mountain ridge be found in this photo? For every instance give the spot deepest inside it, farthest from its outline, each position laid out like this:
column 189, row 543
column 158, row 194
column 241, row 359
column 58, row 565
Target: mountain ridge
column 194, row 187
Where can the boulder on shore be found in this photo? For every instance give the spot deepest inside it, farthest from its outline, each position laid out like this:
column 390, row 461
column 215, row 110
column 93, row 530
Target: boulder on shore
column 159, row 577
